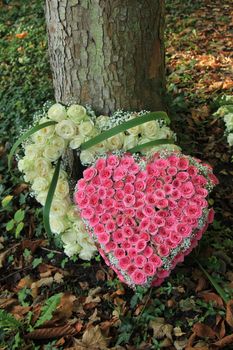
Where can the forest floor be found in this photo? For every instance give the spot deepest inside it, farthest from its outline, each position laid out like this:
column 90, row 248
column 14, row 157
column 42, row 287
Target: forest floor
column 49, row 302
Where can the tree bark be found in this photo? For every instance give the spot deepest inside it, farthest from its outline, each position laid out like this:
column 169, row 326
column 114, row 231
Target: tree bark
column 107, row 53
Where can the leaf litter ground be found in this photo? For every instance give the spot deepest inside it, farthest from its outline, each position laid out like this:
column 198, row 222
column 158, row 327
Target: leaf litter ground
column 48, row 302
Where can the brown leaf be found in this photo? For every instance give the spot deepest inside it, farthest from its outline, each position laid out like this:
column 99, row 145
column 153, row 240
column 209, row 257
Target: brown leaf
column 92, row 339
column 33, row 245
column 5, row 303
column 55, row 332
column 209, row 296
column 100, row 275
column 201, row 284
column 203, row 331
column 20, row 188
column 224, row 341
column 65, row 308
column 229, row 313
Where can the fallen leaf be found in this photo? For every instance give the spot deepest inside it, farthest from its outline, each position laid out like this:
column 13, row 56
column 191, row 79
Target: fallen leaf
column 209, row 296
column 92, row 339
column 21, row 35
column 229, row 313
column 178, row 332
column 203, row 331
column 180, row 344
column 48, row 333
column 224, row 341
column 160, row 329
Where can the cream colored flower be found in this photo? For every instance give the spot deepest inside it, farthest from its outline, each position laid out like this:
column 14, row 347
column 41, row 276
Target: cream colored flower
column 102, row 122
column 66, row 129
column 228, row 119
column 136, row 130
column 62, row 189
column 48, row 130
column 40, row 184
column 41, row 197
column 115, row 142
column 33, row 151
column 164, row 133
column 72, row 249
column 43, row 167
column 87, row 157
column 76, row 142
column 58, row 224
column 130, row 141
column 39, row 138
column 59, row 207
column 150, row 129
column 87, row 252
column 57, row 112
column 86, row 128
column 230, row 139
column 52, row 153
column 76, row 113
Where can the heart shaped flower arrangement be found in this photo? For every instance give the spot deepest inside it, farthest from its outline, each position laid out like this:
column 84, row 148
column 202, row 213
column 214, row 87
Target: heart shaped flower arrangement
column 145, row 213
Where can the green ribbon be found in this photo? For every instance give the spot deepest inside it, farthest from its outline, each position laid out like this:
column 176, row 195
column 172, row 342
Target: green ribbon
column 123, row 127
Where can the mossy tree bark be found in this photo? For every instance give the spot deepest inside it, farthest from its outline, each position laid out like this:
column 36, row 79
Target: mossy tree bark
column 108, row 54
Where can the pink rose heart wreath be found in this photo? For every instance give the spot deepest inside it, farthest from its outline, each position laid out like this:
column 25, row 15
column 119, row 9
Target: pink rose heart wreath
column 144, row 214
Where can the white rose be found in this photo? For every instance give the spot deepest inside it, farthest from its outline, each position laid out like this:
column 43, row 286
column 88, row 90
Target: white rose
column 41, row 197
column 87, row 157
column 59, row 207
column 164, row 133
column 76, row 142
column 102, row 122
column 150, row 129
column 69, row 237
column 52, row 153
column 76, row 113
column 58, row 224
column 33, row 151
column 43, row 167
column 66, row 129
column 136, row 129
column 115, row 142
column 48, row 130
column 79, row 226
column 73, row 215
column 39, row 138
column 86, row 128
column 58, row 142
column 40, row 184
column 26, row 164
column 62, row 189
column 130, row 141
column 230, row 139
column 62, row 174
column 71, row 249
column 57, row 112
column 87, row 252
column 228, row 119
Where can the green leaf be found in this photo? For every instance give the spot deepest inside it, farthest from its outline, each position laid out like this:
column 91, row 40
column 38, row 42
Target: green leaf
column 36, row 262
column 19, row 215
column 125, row 126
column 18, row 229
column 25, row 136
column 215, row 284
column 49, row 199
column 10, row 225
column 8, row 322
column 151, row 144
column 6, row 200
column 48, row 309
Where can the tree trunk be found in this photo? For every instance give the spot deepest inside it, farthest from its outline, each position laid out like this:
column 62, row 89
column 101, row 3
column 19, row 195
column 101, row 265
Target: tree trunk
column 107, row 53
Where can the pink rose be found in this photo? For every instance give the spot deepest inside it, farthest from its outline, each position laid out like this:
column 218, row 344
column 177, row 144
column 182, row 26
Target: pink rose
column 147, row 252
column 182, row 203
column 108, row 203
column 183, row 163
column 167, row 189
column 90, row 189
column 158, row 184
column 110, row 226
column 83, row 203
column 138, row 277
column 149, row 269
column 106, row 173
column 118, row 236
column 199, row 180
column 129, row 221
column 176, row 183
column 94, row 200
column 132, row 252
column 152, row 229
column 142, row 175
column 81, row 184
column 163, row 273
column 173, row 160
column 144, row 223
column 213, row 179
column 167, row 179
column 192, row 170
column 112, row 161
column 193, row 211
column 161, row 163
column 89, row 173
column 158, row 221
column 126, row 161
column 131, row 268
column 155, row 260
column 111, row 246
column 163, row 250
column 172, row 170
column 119, row 220
column 176, row 194
column 118, row 184
column 99, row 228
column 129, row 188
column 119, row 173
column 101, row 192
column 183, row 230
column 94, row 221
column 202, row 191
column 124, row 262
column 210, row 216
column 139, row 214
column 130, row 178
column 129, row 212
column 96, row 181
column 187, row 189
column 140, row 260
column 100, row 164
column 175, row 237
column 125, row 245
column 103, row 238
column 129, row 200
column 133, row 239
column 128, row 231
column 134, row 169
column 182, row 176
column 110, row 192
column 162, row 203
column 148, row 211
column 140, row 245
column 119, row 253
column 139, row 195
column 119, row 195
column 159, row 194
column 107, row 183
column 152, row 170
column 144, row 236
column 140, row 185
column 87, row 213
